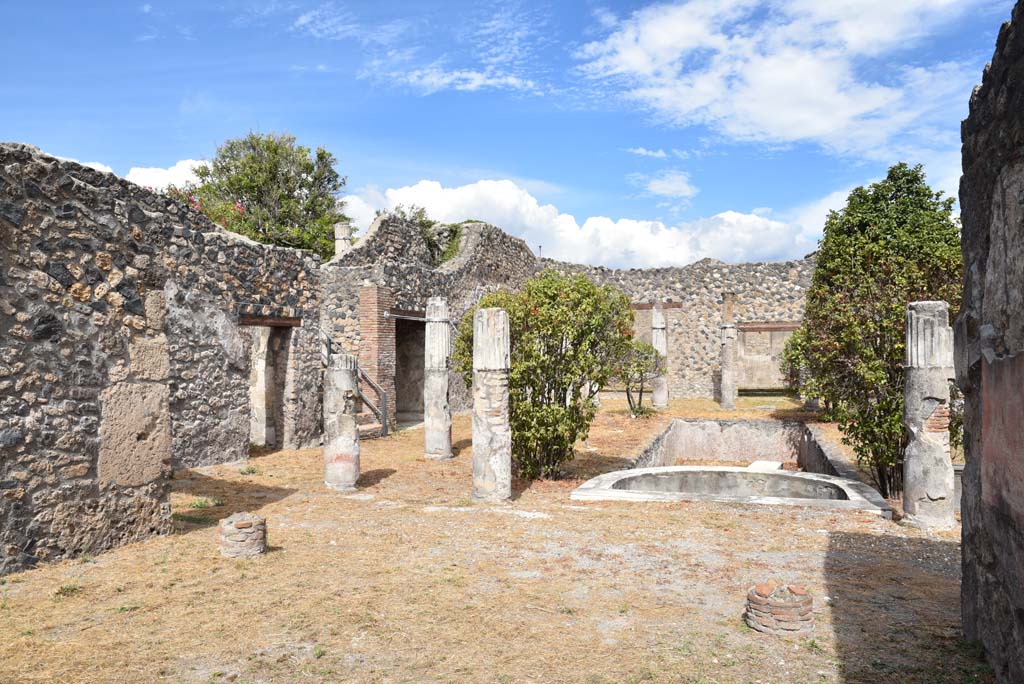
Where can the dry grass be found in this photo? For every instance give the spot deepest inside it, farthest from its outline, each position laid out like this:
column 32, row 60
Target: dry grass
column 408, row 581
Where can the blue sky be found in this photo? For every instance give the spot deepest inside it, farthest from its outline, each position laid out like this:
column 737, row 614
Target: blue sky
column 626, row 134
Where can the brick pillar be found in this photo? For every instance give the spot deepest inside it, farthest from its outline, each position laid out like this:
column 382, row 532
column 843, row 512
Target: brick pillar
column 377, row 342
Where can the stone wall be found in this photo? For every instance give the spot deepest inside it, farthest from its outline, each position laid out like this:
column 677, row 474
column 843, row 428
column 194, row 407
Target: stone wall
column 990, row 357
column 765, row 292
column 122, row 353
column 394, row 256
column 127, row 331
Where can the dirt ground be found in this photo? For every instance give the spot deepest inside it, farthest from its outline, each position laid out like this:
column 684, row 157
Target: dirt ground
column 409, row 581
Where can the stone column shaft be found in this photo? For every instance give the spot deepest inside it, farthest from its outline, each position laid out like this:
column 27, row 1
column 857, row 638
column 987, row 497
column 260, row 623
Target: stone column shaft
column 928, row 485
column 342, row 237
column 659, row 340
column 341, row 432
column 728, row 359
column 492, row 433
column 437, row 413
column 728, row 307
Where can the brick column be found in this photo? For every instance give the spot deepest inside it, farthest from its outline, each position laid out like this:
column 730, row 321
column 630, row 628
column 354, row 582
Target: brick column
column 377, row 342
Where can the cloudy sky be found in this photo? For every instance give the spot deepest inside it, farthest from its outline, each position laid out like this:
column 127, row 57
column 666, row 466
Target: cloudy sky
column 625, row 134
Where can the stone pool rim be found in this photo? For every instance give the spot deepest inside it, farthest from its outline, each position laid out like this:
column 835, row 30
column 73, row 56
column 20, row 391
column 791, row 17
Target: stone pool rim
column 860, row 497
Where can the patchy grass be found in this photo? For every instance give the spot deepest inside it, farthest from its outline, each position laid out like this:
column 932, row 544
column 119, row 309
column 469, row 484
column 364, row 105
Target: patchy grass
column 203, row 502
column 409, row 581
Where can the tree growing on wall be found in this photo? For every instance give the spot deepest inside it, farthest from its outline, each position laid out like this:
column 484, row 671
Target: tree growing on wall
column 270, row 189
column 637, row 369
column 895, row 242
column 567, row 335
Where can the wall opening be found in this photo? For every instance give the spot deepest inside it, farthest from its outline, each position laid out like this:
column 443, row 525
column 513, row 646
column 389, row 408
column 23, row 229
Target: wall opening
column 268, row 369
column 410, row 342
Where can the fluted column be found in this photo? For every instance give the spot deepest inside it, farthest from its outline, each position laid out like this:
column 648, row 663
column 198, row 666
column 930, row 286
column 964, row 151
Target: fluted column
column 341, row 432
column 437, row 413
column 659, row 340
column 492, row 433
column 728, row 360
column 928, row 487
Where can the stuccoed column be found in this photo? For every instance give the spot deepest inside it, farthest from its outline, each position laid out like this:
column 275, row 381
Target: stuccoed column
column 341, row 432
column 342, row 237
column 492, row 434
column 659, row 340
column 927, row 468
column 437, row 413
column 728, row 359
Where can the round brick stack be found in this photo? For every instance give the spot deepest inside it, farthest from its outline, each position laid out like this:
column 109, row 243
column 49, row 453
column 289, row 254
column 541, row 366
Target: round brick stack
column 776, row 608
column 243, row 535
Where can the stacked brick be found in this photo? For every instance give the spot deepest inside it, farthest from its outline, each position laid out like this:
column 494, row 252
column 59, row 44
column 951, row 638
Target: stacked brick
column 377, row 355
column 781, row 609
column 243, row 535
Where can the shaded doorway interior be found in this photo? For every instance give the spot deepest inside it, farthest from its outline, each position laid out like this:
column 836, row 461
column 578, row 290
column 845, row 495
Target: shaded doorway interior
column 268, row 369
column 410, row 341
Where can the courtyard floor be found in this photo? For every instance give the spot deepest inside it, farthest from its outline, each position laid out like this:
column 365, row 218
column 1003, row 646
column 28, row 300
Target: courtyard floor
column 409, row 581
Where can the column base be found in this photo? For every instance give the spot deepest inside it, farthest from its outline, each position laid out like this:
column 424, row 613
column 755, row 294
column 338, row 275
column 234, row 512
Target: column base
column 439, row 457
column 341, row 487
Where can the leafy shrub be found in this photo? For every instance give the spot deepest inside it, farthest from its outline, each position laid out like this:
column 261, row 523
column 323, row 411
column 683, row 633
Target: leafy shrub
column 567, row 335
column 637, row 369
column 895, row 242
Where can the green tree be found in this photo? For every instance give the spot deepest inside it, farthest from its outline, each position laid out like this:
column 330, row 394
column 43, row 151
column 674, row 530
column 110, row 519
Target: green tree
column 270, row 189
column 566, row 336
column 637, row 369
column 895, row 242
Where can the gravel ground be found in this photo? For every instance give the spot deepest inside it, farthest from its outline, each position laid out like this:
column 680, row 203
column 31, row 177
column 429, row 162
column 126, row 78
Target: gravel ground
column 408, row 581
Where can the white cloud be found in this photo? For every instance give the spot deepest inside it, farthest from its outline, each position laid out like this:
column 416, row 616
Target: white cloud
column 644, row 152
column 327, row 22
column 435, row 78
column 599, row 240
column 788, row 71
column 157, row 178
column 146, row 9
column 496, row 51
column 671, row 184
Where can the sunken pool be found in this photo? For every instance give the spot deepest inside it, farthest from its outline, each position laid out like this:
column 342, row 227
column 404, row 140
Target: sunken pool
column 824, row 481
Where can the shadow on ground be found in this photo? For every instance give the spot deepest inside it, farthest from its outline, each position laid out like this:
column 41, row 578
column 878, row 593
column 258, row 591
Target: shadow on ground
column 372, row 477
column 895, row 605
column 205, row 500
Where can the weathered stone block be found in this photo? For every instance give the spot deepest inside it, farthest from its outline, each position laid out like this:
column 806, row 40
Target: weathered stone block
column 149, row 358
column 135, row 434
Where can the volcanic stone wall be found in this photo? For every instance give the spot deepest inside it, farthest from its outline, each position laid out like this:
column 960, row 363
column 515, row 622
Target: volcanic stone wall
column 990, row 357
column 121, row 353
column 692, row 297
column 394, row 255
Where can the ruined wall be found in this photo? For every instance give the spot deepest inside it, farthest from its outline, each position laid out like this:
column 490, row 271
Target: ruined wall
column 394, row 255
column 990, row 357
column 121, row 352
column 765, row 292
